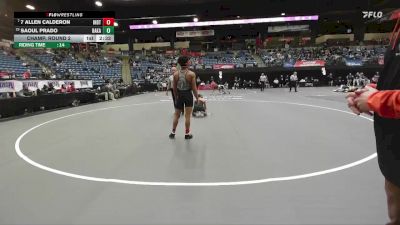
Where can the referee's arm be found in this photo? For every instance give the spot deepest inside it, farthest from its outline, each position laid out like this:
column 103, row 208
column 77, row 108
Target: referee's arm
column 386, row 103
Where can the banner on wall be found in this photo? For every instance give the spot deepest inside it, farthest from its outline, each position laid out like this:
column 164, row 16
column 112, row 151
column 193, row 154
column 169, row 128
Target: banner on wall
column 354, row 62
column 288, row 28
column 223, row 66
column 195, row 33
column 84, row 84
column 56, row 84
column 33, row 85
column 286, row 39
column 8, row 86
column 312, row 63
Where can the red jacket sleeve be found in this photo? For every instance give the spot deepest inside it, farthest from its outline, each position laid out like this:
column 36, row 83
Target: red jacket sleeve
column 386, row 103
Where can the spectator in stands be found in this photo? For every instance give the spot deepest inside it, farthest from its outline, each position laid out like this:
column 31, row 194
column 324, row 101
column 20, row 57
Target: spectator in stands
column 356, row 81
column 4, row 75
column 213, row 85
column 42, row 74
column 120, row 82
column 112, row 87
column 25, row 92
column 275, row 83
column 159, row 86
column 40, row 92
column 339, row 81
column 27, row 74
column 363, row 80
column 106, row 93
column 350, row 79
column 245, row 84
column 236, row 83
column 51, row 88
column 202, row 86
column 71, row 88
column 251, row 84
column 332, row 55
column 281, row 81
column 45, row 89
column 330, row 79
column 12, row 74
column 63, row 89
column 4, row 95
column 147, row 78
column 287, row 79
column 10, row 95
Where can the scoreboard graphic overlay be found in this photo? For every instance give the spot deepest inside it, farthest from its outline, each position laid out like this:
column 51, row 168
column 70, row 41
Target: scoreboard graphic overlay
column 60, row 29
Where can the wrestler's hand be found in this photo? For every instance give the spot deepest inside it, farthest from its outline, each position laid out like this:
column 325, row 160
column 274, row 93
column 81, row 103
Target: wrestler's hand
column 351, row 104
column 361, row 101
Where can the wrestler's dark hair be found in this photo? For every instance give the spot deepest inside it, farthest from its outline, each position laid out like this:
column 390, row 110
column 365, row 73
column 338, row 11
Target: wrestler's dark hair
column 183, row 60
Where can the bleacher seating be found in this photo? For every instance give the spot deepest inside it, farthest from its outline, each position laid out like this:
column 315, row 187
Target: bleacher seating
column 98, row 67
column 332, row 55
column 94, row 69
column 158, row 67
column 240, row 59
column 10, row 63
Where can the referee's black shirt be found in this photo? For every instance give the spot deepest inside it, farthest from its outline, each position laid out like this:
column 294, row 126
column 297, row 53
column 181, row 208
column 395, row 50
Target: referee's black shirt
column 387, row 131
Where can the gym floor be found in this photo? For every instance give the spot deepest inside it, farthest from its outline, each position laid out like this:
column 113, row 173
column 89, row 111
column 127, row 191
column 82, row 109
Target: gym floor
column 270, row 157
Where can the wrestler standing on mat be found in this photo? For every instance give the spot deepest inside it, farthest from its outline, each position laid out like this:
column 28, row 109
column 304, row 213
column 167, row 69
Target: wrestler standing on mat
column 184, row 87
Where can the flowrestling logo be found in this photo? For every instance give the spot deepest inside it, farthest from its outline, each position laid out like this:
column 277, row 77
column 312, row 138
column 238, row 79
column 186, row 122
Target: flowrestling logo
column 372, row 14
